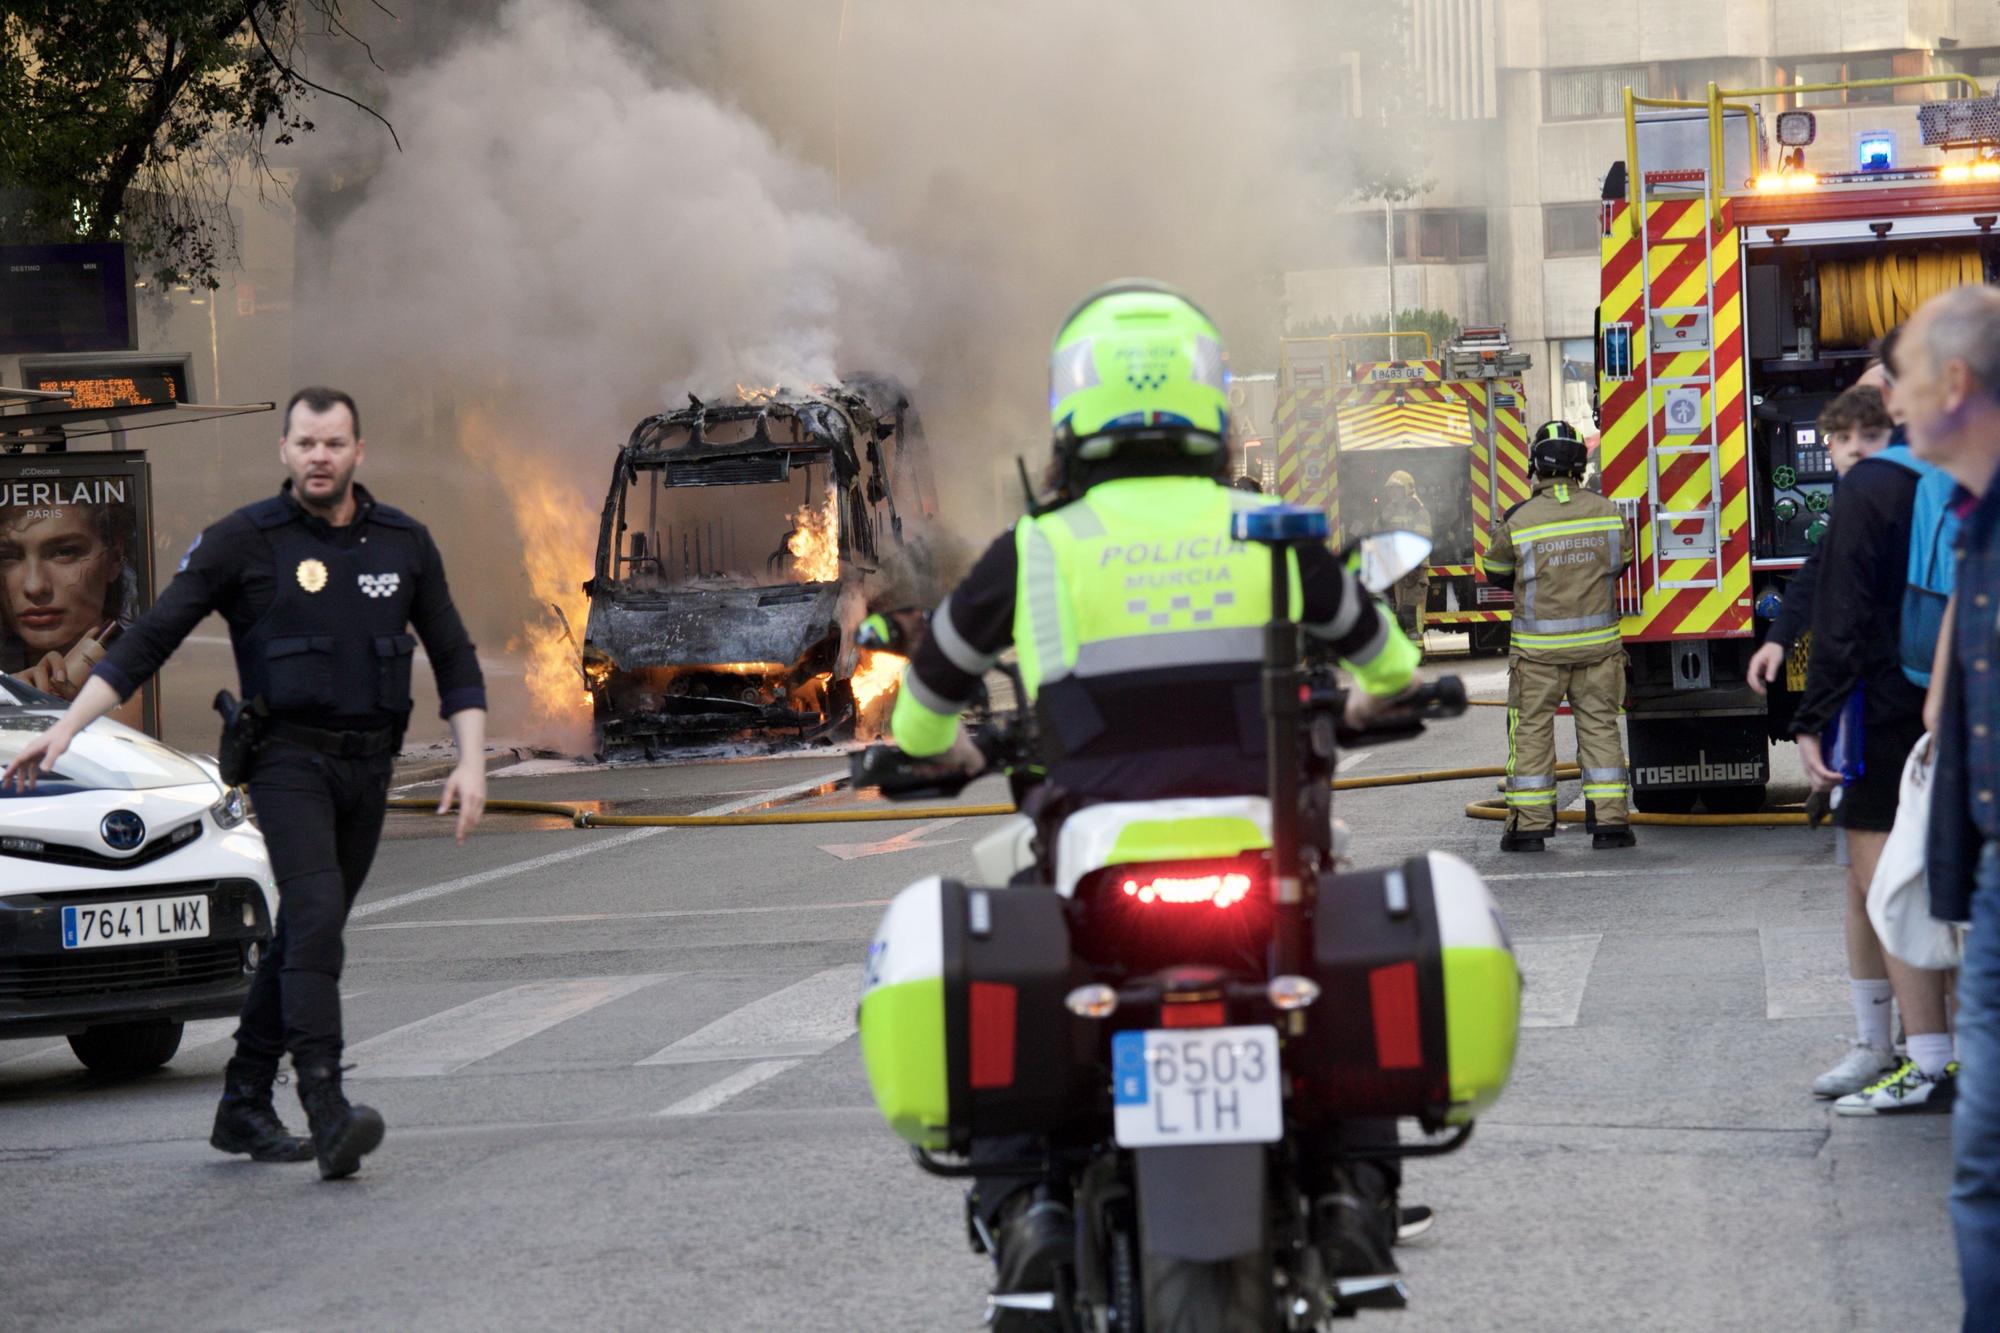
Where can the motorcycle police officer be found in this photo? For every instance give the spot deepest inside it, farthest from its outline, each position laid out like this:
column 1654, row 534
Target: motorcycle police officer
column 319, row 585
column 1138, row 625
column 1561, row 550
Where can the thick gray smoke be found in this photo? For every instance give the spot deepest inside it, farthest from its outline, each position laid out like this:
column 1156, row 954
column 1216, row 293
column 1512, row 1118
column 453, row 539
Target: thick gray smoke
column 600, row 209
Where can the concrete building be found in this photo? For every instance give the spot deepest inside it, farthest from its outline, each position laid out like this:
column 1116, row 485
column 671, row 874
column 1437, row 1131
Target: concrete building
column 1525, row 118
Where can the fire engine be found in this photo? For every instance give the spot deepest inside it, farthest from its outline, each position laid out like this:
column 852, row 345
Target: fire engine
column 1453, row 423
column 1740, row 292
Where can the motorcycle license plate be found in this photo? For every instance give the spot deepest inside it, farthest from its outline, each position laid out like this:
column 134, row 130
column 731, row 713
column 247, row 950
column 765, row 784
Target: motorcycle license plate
column 100, row 925
column 1194, row 1086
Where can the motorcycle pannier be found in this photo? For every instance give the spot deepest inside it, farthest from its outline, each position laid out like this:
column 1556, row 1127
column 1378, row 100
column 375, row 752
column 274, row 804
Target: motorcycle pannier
column 1420, row 998
column 963, row 1028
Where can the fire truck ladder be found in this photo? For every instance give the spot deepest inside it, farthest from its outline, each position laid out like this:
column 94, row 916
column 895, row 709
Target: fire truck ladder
column 1686, row 401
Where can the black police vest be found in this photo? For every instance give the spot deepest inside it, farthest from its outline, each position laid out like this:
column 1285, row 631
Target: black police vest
column 334, row 644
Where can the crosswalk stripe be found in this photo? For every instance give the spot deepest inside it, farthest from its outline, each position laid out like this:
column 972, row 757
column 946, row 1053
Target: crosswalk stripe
column 597, row 842
column 804, row 1019
column 470, row 1032
column 1554, row 971
column 715, row 1094
column 1805, row 971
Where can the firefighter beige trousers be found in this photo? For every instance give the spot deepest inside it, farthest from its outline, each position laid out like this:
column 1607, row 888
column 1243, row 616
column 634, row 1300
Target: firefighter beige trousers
column 1596, row 693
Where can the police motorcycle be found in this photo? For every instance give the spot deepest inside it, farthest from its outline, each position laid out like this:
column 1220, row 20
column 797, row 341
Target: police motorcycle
column 1205, row 990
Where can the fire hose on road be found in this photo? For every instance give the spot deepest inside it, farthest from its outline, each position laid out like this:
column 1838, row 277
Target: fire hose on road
column 1491, row 809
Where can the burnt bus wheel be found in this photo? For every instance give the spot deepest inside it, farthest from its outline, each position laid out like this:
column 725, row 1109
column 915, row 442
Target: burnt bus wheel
column 1665, row 800
column 126, row 1048
column 1734, row 800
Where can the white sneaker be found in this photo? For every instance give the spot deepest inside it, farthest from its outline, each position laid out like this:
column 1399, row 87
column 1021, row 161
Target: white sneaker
column 1862, row 1065
column 1904, row 1090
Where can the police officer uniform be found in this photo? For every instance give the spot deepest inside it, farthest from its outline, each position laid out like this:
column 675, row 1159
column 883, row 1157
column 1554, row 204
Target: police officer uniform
column 319, row 617
column 1561, row 551
column 1404, row 511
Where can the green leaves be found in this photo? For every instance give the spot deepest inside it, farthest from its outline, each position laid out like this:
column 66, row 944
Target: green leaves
column 123, row 119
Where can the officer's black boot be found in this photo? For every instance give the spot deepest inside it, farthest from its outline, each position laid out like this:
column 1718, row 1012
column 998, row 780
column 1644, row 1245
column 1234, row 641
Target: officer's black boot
column 245, row 1120
column 1353, row 1227
column 1612, row 835
column 1034, row 1239
column 341, row 1134
column 1510, row 841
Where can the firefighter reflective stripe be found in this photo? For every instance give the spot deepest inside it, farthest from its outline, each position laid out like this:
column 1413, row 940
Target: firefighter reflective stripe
column 1575, row 639
column 1562, row 492
column 953, row 645
column 1567, row 527
column 1605, row 784
column 1569, row 626
column 1148, row 652
column 1488, row 565
column 923, row 723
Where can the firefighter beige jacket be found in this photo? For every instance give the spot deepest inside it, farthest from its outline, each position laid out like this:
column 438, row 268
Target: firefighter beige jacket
column 1561, row 550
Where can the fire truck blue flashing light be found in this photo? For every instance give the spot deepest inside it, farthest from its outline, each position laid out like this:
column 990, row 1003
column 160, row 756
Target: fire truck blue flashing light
column 1878, row 152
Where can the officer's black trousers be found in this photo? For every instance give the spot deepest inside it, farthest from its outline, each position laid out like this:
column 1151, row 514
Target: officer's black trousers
column 321, row 817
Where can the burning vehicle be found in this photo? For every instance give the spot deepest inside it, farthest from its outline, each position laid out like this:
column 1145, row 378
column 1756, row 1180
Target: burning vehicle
column 731, row 556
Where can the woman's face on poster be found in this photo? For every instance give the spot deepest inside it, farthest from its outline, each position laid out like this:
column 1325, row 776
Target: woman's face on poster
column 56, row 576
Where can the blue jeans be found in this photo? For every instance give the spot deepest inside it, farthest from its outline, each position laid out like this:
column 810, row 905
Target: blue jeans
column 1975, row 1129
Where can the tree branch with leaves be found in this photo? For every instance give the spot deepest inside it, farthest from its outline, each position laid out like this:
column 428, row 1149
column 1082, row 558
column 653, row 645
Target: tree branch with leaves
column 125, row 120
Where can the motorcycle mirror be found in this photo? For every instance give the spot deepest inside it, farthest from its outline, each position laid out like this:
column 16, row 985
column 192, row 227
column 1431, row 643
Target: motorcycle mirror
column 1385, row 557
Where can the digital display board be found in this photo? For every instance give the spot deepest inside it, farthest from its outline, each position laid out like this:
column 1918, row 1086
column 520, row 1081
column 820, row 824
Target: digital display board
column 65, row 298
column 132, row 380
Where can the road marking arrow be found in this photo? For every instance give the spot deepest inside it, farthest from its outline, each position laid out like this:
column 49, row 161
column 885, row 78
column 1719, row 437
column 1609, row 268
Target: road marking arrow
column 902, row 842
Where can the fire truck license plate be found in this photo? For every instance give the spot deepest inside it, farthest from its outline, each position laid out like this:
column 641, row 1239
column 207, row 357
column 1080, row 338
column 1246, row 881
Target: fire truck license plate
column 1201, row 1085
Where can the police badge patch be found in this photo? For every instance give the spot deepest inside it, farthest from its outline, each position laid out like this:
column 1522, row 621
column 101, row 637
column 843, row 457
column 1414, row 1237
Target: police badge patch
column 380, row 585
column 312, row 575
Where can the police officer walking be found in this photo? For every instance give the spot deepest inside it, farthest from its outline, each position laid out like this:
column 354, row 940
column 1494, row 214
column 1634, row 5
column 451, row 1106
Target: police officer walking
column 319, row 585
column 1561, row 550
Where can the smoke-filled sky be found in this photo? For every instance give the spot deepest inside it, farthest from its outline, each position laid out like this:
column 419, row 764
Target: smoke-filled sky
column 599, row 208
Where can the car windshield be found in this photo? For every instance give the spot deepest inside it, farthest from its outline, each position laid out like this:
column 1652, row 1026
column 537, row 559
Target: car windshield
column 106, row 756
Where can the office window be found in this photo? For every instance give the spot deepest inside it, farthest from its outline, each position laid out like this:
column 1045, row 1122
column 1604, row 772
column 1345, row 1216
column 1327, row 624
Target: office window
column 1571, row 229
column 1842, row 70
column 1440, row 236
column 1589, row 94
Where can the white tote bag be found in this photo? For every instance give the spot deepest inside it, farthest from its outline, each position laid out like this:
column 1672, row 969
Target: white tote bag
column 1899, row 897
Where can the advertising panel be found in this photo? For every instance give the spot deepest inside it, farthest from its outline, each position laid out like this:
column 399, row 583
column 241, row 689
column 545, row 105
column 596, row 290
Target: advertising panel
column 76, row 540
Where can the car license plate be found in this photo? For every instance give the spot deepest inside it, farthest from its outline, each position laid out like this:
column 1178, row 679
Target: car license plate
column 100, row 925
column 1205, row 1085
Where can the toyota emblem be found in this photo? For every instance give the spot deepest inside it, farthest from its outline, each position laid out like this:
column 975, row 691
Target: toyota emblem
column 123, row 831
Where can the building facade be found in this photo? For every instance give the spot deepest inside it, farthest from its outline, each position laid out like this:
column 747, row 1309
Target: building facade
column 1524, row 118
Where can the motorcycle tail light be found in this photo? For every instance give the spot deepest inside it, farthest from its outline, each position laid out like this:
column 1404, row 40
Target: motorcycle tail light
column 1221, row 889
column 1194, row 1014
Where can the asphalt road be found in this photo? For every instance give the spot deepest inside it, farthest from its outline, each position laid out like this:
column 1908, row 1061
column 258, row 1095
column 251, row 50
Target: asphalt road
column 623, row 1092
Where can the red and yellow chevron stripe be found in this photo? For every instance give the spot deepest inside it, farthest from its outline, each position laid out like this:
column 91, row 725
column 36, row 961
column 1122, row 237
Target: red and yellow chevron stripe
column 1441, row 424
column 1676, row 264
column 1305, row 448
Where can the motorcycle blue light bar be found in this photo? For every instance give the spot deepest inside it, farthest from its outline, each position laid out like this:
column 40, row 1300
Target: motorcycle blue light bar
column 1279, row 523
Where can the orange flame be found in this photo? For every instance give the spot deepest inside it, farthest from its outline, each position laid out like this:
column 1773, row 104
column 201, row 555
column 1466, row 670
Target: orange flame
column 558, row 531
column 815, row 542
column 874, row 681
column 757, row 393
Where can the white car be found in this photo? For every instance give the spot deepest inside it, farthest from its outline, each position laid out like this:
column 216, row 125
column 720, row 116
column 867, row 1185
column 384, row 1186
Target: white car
column 135, row 894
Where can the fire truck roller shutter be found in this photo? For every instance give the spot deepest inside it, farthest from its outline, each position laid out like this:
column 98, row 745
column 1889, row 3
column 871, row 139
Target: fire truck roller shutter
column 1863, row 298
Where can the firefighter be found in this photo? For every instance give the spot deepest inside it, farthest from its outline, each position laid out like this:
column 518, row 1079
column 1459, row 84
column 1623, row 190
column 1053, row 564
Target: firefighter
column 1562, row 550
column 1403, row 510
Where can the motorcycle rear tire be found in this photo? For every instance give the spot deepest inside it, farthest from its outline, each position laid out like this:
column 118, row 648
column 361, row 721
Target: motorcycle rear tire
column 1187, row 1296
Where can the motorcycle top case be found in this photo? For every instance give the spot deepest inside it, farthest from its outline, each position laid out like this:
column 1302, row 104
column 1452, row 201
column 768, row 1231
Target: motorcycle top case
column 963, row 1029
column 1420, row 997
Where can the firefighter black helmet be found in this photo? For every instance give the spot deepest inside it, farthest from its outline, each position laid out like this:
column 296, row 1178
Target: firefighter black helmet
column 1558, row 451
